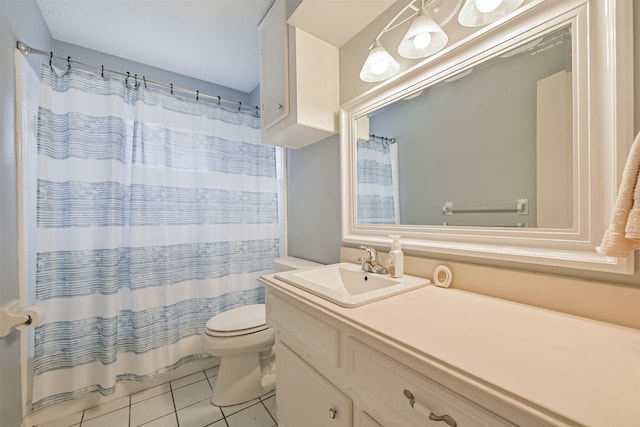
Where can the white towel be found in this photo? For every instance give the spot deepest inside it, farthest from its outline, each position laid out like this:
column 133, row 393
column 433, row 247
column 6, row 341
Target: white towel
column 623, row 235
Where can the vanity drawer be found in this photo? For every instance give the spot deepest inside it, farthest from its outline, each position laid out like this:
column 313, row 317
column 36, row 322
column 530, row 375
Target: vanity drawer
column 309, row 335
column 386, row 381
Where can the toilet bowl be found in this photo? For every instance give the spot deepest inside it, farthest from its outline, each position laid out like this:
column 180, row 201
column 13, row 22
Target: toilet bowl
column 244, row 344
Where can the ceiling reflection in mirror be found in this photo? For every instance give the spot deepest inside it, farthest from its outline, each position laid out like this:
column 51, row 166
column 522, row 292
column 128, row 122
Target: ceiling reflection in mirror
column 489, row 147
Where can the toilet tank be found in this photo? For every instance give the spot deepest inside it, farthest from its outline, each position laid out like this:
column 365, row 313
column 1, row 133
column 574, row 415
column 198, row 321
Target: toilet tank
column 292, row 263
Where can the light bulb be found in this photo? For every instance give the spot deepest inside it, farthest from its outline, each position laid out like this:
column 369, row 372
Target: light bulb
column 486, row 6
column 422, row 40
column 379, row 67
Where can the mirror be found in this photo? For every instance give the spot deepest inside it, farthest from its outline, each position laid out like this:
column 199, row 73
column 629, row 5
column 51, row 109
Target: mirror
column 492, row 147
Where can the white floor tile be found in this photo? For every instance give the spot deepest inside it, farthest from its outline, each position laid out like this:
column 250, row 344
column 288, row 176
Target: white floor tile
column 229, row 410
column 117, row 418
column 193, row 393
column 199, row 415
column 212, row 381
column 270, row 403
column 268, row 395
column 150, row 409
column 212, row 372
column 156, row 407
column 150, row 392
column 99, row 410
column 67, row 421
column 189, row 379
column 253, row 416
column 166, row 421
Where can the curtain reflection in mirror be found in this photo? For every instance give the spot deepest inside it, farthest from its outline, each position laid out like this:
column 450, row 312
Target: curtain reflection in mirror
column 378, row 181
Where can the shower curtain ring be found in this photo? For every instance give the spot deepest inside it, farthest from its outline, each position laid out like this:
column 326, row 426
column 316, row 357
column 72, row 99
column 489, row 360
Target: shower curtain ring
column 102, row 72
column 219, row 99
column 126, row 81
column 197, row 95
column 171, row 88
column 51, row 60
column 239, row 106
column 68, row 63
column 144, row 79
column 136, row 80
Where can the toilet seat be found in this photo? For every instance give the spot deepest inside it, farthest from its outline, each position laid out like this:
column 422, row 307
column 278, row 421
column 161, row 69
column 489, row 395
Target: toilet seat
column 243, row 320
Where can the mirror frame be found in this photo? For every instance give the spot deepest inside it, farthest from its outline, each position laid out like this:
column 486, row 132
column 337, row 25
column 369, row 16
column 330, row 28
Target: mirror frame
column 602, row 52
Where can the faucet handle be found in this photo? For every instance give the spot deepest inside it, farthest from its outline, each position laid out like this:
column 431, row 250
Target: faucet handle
column 371, row 253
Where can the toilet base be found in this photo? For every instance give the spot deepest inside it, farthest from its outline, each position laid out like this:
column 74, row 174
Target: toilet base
column 243, row 378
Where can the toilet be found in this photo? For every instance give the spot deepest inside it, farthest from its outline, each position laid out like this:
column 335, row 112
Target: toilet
column 244, row 344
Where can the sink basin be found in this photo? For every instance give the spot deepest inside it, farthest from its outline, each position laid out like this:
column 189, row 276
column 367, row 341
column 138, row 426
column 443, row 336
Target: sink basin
column 347, row 285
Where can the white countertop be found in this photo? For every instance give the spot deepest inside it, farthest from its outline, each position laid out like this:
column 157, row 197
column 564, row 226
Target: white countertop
column 580, row 369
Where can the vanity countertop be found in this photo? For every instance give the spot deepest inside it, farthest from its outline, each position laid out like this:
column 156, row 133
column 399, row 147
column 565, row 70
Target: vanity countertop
column 584, row 371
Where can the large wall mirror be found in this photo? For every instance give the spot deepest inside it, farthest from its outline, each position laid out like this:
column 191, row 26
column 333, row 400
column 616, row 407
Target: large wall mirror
column 507, row 145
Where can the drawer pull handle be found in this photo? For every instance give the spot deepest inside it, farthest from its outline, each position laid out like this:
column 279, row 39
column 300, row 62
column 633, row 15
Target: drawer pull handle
column 427, row 412
column 332, row 413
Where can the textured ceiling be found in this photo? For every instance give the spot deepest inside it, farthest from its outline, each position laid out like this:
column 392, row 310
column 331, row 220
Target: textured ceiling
column 212, row 40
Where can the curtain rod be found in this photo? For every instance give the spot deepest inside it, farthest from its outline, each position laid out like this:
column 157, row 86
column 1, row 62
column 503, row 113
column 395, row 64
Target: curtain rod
column 26, row 49
column 383, row 138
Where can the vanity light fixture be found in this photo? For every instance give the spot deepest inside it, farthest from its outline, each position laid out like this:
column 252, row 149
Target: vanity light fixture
column 476, row 13
column 424, row 38
column 379, row 65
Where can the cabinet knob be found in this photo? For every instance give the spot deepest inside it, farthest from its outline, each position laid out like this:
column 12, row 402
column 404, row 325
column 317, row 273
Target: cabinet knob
column 332, row 413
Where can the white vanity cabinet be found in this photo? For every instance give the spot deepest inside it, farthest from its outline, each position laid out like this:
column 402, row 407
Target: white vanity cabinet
column 299, row 89
column 324, row 370
column 446, row 357
column 305, row 397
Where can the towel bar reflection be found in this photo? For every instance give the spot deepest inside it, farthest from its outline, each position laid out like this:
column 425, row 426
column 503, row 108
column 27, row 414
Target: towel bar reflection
column 521, row 208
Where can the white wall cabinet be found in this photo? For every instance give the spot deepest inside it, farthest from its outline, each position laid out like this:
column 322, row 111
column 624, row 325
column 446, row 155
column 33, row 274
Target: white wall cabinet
column 299, row 90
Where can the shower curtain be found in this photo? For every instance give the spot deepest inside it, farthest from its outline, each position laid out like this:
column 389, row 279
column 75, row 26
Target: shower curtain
column 154, row 212
column 378, row 189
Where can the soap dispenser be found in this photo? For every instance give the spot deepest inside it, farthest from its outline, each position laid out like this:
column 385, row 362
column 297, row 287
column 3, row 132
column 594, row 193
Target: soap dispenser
column 396, row 257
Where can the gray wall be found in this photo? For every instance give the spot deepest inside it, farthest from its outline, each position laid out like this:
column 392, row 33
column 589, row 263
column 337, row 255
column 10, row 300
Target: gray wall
column 19, row 20
column 308, row 189
column 313, row 201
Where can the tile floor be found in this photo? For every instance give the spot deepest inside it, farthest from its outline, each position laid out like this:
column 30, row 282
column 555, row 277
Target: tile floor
column 180, row 403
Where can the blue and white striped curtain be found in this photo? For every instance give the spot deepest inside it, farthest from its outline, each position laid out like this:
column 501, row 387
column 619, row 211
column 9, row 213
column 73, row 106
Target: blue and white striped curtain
column 377, row 182
column 153, row 214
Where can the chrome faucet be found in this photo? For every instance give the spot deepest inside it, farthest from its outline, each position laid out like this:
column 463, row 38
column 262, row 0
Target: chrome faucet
column 370, row 264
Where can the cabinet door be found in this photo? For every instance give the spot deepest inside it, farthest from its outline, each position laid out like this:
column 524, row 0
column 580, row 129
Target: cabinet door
column 304, row 397
column 274, row 66
column 365, row 420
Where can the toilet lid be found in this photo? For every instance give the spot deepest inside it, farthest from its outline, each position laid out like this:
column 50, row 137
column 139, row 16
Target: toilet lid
column 241, row 320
